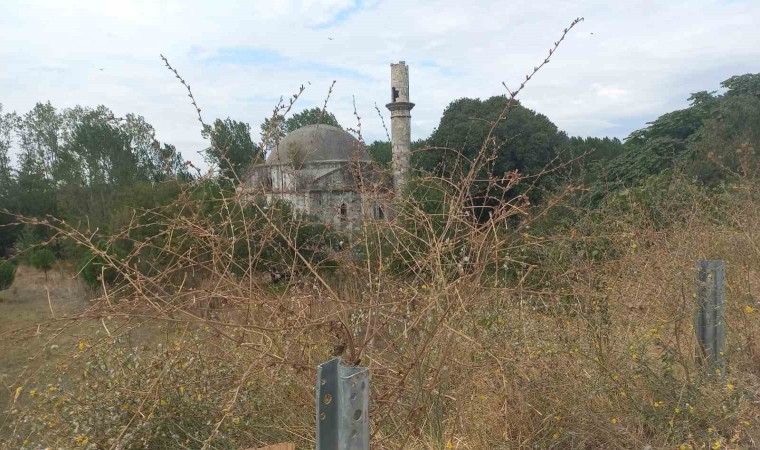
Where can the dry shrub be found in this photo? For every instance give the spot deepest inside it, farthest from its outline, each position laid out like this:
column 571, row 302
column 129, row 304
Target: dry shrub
column 528, row 329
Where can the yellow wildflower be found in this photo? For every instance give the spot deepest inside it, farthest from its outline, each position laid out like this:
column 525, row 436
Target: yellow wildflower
column 82, row 346
column 18, row 392
column 614, row 420
column 236, row 420
column 716, row 445
column 657, row 404
column 82, row 439
column 730, row 387
column 748, row 309
column 449, row 444
column 555, row 436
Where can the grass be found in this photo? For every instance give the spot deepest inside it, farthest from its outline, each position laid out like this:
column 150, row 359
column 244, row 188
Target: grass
column 31, row 341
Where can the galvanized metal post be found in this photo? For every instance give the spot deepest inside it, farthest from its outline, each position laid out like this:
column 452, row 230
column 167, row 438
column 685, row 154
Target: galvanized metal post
column 342, row 406
column 709, row 321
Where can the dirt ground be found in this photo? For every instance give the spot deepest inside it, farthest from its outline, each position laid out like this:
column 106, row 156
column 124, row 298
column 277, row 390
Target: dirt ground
column 33, row 329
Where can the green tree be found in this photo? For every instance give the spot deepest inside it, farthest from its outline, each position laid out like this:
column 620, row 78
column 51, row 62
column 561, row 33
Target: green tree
column 232, row 149
column 381, row 153
column 747, row 84
column 41, row 137
column 154, row 162
column 8, row 188
column 9, row 122
column 7, row 273
column 42, row 259
column 35, row 195
column 726, row 147
column 525, row 141
column 99, row 160
column 712, row 140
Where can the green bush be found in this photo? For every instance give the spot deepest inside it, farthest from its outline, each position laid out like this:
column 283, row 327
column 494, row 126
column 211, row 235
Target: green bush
column 93, row 266
column 7, row 273
column 42, row 258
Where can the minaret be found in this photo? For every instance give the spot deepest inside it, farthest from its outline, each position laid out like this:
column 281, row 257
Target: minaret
column 401, row 134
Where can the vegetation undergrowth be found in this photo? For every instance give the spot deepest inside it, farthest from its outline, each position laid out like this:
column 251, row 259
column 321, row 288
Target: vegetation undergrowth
column 495, row 308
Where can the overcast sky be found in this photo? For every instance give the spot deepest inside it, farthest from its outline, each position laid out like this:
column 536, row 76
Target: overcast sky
column 627, row 63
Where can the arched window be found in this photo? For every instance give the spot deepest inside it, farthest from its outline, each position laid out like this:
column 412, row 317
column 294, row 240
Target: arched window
column 343, row 212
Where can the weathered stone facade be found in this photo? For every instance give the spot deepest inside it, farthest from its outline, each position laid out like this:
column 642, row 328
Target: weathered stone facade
column 323, row 170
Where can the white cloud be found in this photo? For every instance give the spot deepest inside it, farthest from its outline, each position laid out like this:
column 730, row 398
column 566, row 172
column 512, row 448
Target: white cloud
column 644, row 58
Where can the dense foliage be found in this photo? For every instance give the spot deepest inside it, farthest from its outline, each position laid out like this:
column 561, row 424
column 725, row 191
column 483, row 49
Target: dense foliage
column 7, row 273
column 232, row 150
column 95, row 170
column 713, row 140
column 472, row 328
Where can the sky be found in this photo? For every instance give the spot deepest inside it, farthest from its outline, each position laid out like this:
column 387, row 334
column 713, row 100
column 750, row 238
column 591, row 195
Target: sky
column 627, row 63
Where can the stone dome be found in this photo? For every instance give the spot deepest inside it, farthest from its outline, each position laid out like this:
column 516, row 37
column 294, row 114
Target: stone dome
column 317, row 143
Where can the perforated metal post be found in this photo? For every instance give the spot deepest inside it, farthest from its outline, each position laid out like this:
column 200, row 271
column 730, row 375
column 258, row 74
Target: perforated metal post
column 709, row 320
column 342, row 407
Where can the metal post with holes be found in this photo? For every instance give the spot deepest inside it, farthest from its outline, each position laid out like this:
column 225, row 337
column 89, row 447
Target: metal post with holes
column 342, row 406
column 709, row 321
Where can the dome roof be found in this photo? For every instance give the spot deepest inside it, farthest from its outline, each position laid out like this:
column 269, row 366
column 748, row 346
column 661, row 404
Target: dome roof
column 316, row 143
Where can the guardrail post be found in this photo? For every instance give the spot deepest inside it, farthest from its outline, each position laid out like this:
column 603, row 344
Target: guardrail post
column 342, row 406
column 709, row 321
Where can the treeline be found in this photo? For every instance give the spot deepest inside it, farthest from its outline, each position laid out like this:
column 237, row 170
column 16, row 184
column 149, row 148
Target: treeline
column 92, row 169
column 712, row 142
column 88, row 165
column 78, row 164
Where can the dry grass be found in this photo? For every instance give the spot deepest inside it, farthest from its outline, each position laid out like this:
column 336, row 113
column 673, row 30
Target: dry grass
column 520, row 332
column 568, row 351
column 25, row 309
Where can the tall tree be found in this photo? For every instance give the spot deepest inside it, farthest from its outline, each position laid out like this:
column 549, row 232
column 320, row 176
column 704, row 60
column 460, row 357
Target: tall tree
column 747, row 84
column 232, row 149
column 525, row 141
column 155, row 162
column 9, row 123
column 102, row 162
column 707, row 140
column 40, row 133
column 36, row 194
column 8, row 188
